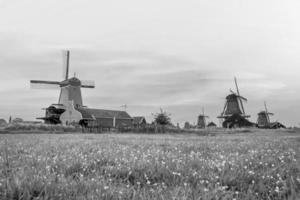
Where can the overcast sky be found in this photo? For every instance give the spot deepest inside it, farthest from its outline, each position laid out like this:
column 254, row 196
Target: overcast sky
column 178, row 55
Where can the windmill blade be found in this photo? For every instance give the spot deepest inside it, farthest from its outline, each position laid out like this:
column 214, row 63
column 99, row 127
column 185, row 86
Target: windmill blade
column 88, row 84
column 241, row 102
column 37, row 84
column 243, row 98
column 232, row 91
column 238, row 92
column 44, row 82
column 222, row 114
column 66, row 63
column 267, row 113
column 237, row 87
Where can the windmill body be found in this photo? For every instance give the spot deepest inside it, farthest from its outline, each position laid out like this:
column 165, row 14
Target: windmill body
column 232, row 105
column 70, row 90
column 201, row 122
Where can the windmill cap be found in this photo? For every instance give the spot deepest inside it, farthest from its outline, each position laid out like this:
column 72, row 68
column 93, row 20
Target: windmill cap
column 72, row 81
column 264, row 112
column 231, row 96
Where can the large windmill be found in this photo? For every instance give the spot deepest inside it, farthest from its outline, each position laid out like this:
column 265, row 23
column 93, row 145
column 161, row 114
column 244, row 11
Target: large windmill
column 70, row 88
column 234, row 112
column 70, row 94
column 234, row 103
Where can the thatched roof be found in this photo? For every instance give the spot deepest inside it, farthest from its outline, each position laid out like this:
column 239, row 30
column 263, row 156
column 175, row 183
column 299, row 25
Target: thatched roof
column 92, row 114
column 276, row 125
column 211, row 124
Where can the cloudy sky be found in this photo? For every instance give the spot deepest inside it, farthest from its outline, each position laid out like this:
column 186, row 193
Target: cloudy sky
column 174, row 54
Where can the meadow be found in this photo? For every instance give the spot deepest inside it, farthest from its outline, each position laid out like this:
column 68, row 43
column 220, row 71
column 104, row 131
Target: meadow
column 248, row 165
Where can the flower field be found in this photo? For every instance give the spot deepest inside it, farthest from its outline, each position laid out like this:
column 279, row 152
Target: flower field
column 261, row 165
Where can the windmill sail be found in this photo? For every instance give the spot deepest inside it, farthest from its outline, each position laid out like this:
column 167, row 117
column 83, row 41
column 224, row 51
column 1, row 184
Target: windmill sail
column 66, row 64
column 87, row 84
column 38, row 84
column 44, row 82
column 238, row 92
column 267, row 114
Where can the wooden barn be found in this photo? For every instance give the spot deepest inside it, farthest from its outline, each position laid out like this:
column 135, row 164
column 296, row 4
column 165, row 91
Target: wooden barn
column 104, row 119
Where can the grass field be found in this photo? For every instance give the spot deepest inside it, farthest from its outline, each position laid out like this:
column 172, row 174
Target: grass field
column 254, row 165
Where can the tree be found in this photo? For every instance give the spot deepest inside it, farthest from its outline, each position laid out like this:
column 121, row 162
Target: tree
column 162, row 119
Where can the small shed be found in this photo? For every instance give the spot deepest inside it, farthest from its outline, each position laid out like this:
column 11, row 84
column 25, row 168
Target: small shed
column 211, row 125
column 139, row 122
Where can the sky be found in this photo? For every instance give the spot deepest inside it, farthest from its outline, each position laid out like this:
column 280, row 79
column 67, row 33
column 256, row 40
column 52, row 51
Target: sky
column 177, row 55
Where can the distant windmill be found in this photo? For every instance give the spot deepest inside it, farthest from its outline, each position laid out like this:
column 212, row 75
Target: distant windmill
column 263, row 120
column 70, row 88
column 202, row 120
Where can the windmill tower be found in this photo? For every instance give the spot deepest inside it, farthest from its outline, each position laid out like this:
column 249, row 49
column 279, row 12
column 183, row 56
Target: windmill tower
column 234, row 113
column 70, row 93
column 202, row 120
column 263, row 120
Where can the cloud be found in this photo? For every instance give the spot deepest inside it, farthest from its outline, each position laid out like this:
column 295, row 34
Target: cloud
column 142, row 77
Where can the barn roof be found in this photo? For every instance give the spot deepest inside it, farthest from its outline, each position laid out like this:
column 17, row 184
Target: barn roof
column 90, row 113
column 277, row 125
column 138, row 119
column 211, row 124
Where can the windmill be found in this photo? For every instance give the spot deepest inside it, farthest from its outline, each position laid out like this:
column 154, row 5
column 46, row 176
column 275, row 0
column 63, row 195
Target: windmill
column 202, row 120
column 234, row 104
column 70, row 92
column 263, row 120
column 234, row 112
